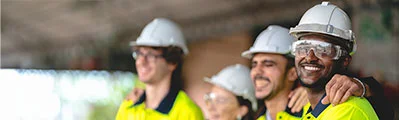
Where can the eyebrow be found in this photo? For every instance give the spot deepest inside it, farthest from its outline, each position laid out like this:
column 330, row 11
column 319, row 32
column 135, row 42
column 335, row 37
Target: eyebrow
column 266, row 61
column 269, row 61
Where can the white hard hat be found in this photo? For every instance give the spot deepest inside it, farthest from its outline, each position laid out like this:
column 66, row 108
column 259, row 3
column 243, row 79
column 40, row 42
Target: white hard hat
column 236, row 79
column 161, row 32
column 275, row 39
column 328, row 19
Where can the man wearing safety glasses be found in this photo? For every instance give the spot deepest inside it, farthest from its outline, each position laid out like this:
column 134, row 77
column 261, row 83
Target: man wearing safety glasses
column 159, row 52
column 275, row 79
column 323, row 53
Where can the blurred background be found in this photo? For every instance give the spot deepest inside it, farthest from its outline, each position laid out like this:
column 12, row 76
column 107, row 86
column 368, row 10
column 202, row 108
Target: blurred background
column 70, row 59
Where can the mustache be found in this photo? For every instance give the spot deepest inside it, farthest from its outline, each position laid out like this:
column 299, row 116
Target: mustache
column 260, row 77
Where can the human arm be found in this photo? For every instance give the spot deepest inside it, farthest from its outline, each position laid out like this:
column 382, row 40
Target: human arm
column 341, row 87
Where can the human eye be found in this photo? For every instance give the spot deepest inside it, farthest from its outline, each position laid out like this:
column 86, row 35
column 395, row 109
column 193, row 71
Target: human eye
column 253, row 64
column 324, row 51
column 301, row 50
column 221, row 100
column 136, row 54
column 151, row 56
column 268, row 63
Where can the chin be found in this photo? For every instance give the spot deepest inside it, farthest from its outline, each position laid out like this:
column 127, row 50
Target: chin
column 308, row 81
column 263, row 97
column 144, row 79
column 317, row 85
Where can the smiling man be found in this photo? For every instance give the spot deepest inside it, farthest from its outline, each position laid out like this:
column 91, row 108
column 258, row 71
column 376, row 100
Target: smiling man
column 323, row 52
column 273, row 74
column 159, row 52
column 275, row 79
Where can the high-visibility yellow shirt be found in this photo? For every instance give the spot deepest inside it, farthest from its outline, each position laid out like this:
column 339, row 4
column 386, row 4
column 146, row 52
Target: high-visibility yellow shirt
column 355, row 108
column 175, row 106
column 282, row 115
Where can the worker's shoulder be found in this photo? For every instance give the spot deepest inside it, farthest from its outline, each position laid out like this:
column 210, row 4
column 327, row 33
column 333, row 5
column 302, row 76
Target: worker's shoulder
column 356, row 102
column 185, row 106
column 182, row 99
column 354, row 107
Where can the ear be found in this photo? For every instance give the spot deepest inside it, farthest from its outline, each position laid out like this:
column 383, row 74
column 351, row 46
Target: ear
column 291, row 74
column 172, row 66
column 243, row 110
column 347, row 61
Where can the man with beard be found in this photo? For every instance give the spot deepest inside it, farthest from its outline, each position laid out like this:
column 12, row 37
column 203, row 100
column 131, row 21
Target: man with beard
column 274, row 76
column 323, row 52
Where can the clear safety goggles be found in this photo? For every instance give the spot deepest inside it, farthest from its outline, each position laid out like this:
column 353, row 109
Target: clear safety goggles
column 322, row 50
column 213, row 98
column 150, row 56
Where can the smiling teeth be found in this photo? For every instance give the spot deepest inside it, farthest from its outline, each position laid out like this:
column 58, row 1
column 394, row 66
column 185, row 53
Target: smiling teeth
column 144, row 70
column 260, row 83
column 311, row 68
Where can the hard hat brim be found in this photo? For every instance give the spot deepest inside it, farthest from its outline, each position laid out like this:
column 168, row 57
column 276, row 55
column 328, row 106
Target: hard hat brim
column 144, row 43
column 214, row 82
column 250, row 53
column 153, row 44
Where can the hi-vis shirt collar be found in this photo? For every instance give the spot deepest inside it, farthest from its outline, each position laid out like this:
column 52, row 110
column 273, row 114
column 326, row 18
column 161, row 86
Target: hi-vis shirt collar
column 287, row 110
column 166, row 104
column 320, row 107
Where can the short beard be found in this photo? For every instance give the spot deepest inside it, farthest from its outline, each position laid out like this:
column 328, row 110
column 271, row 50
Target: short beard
column 268, row 97
column 278, row 90
column 319, row 85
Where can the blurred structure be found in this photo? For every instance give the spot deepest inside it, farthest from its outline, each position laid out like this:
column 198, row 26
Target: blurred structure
column 62, row 94
column 94, row 35
column 57, row 34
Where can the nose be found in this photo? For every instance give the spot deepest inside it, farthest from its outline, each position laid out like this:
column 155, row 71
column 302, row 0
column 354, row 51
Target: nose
column 311, row 56
column 210, row 111
column 257, row 69
column 210, row 106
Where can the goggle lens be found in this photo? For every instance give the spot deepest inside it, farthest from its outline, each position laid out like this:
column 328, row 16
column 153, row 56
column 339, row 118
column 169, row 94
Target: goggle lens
column 320, row 49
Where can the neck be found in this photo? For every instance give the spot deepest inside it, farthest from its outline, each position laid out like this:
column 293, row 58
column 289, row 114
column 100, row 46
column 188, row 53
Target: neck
column 314, row 96
column 156, row 92
column 277, row 103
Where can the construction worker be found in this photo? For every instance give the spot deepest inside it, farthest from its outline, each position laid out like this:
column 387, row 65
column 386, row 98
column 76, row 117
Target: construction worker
column 232, row 95
column 325, row 43
column 159, row 52
column 272, row 47
column 346, row 85
column 273, row 73
column 274, row 76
